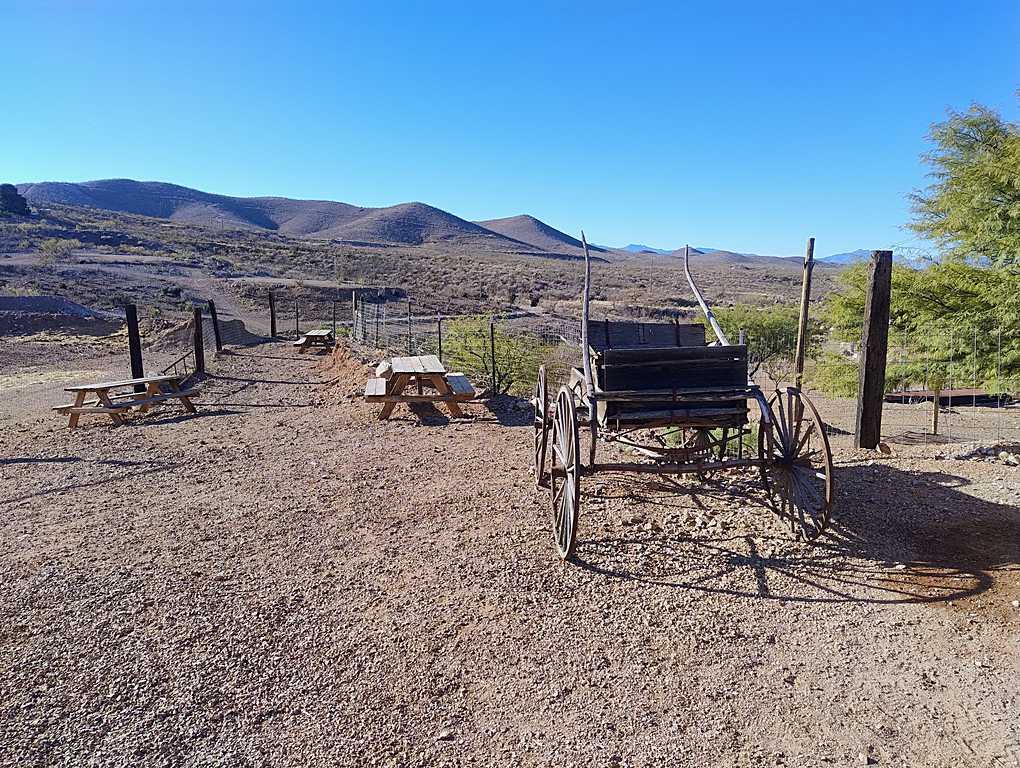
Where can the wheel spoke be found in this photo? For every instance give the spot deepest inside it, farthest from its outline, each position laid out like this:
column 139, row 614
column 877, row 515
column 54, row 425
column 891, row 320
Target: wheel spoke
column 784, row 438
column 805, row 437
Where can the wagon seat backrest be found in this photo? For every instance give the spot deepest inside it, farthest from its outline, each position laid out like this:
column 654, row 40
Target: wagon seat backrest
column 636, row 357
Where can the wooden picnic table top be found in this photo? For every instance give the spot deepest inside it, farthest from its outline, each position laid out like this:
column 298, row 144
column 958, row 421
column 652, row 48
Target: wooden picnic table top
column 427, row 364
column 319, row 332
column 123, row 383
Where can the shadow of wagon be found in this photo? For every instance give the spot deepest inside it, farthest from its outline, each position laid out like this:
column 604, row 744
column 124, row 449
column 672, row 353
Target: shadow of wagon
column 900, row 537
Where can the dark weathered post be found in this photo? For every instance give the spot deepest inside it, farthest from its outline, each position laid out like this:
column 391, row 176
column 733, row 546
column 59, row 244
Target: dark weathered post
column 408, row 326
column 354, row 315
column 134, row 345
column 874, row 349
column 334, row 318
column 297, row 317
column 272, row 315
column 805, row 299
column 492, row 352
column 439, row 335
column 199, row 344
column 215, row 326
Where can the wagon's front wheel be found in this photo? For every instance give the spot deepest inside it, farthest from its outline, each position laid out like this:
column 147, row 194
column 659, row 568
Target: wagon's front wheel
column 565, row 473
column 796, row 463
column 541, row 403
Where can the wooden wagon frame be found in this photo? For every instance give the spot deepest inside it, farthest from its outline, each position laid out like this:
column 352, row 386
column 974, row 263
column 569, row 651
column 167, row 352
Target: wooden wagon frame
column 659, row 391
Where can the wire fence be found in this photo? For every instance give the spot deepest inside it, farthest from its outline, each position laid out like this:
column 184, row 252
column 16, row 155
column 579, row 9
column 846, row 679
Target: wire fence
column 43, row 354
column 954, row 387
column 941, row 388
column 951, row 387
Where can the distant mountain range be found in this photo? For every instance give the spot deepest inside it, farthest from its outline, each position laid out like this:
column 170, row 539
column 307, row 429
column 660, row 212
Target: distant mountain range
column 411, row 224
column 847, row 258
column 407, row 223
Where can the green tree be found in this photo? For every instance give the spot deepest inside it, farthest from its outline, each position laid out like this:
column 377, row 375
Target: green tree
column 972, row 209
column 950, row 320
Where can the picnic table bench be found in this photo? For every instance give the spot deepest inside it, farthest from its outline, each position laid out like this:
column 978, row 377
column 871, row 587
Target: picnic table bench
column 158, row 389
column 420, row 371
column 322, row 337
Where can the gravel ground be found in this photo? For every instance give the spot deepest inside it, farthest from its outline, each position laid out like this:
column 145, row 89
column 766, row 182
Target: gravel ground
column 284, row 580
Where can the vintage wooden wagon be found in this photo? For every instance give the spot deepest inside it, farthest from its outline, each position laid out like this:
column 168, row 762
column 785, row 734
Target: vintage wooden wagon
column 676, row 405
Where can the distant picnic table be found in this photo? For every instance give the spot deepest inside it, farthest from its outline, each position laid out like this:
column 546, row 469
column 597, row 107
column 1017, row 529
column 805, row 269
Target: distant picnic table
column 419, row 372
column 158, row 390
column 317, row 338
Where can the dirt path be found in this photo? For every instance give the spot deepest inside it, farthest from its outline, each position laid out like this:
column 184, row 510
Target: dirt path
column 286, row 581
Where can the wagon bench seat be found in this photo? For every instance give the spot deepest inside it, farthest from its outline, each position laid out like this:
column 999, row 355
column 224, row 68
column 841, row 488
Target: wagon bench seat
column 674, row 385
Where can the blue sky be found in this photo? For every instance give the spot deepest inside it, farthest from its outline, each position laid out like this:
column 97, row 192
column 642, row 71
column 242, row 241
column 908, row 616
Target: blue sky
column 748, row 128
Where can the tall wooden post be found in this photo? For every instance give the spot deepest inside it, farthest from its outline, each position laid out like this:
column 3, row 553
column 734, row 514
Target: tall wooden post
column 199, row 343
column 805, row 299
column 297, row 316
column 272, row 315
column 439, row 334
column 492, row 353
column 408, row 326
column 354, row 315
column 874, row 350
column 134, row 345
column 334, row 317
column 215, row 325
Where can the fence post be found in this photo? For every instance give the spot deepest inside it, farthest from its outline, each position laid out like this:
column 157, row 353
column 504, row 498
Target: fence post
column 215, row 325
column 297, row 317
column 377, row 303
column 334, row 318
column 199, row 348
column 408, row 326
column 874, row 349
column 272, row 315
column 439, row 334
column 492, row 352
column 805, row 299
column 354, row 315
column 134, row 345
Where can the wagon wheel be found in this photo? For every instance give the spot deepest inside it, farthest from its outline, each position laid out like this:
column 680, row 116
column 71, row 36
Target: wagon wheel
column 565, row 473
column 704, row 447
column 796, row 463
column 541, row 403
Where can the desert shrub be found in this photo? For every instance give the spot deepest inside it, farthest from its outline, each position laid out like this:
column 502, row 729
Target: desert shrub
column 53, row 248
column 467, row 348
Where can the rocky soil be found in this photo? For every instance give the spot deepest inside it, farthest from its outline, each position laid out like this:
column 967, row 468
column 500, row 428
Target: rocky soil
column 284, row 580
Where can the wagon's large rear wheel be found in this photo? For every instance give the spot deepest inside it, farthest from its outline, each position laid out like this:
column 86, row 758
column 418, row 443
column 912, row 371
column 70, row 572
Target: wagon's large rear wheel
column 542, row 423
column 565, row 473
column 796, row 463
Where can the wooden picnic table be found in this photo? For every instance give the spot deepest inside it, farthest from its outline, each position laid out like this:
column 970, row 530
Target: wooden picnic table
column 322, row 337
column 420, row 372
column 158, row 389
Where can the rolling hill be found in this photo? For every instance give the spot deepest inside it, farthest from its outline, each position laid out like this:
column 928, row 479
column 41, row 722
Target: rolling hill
column 528, row 229
column 407, row 223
